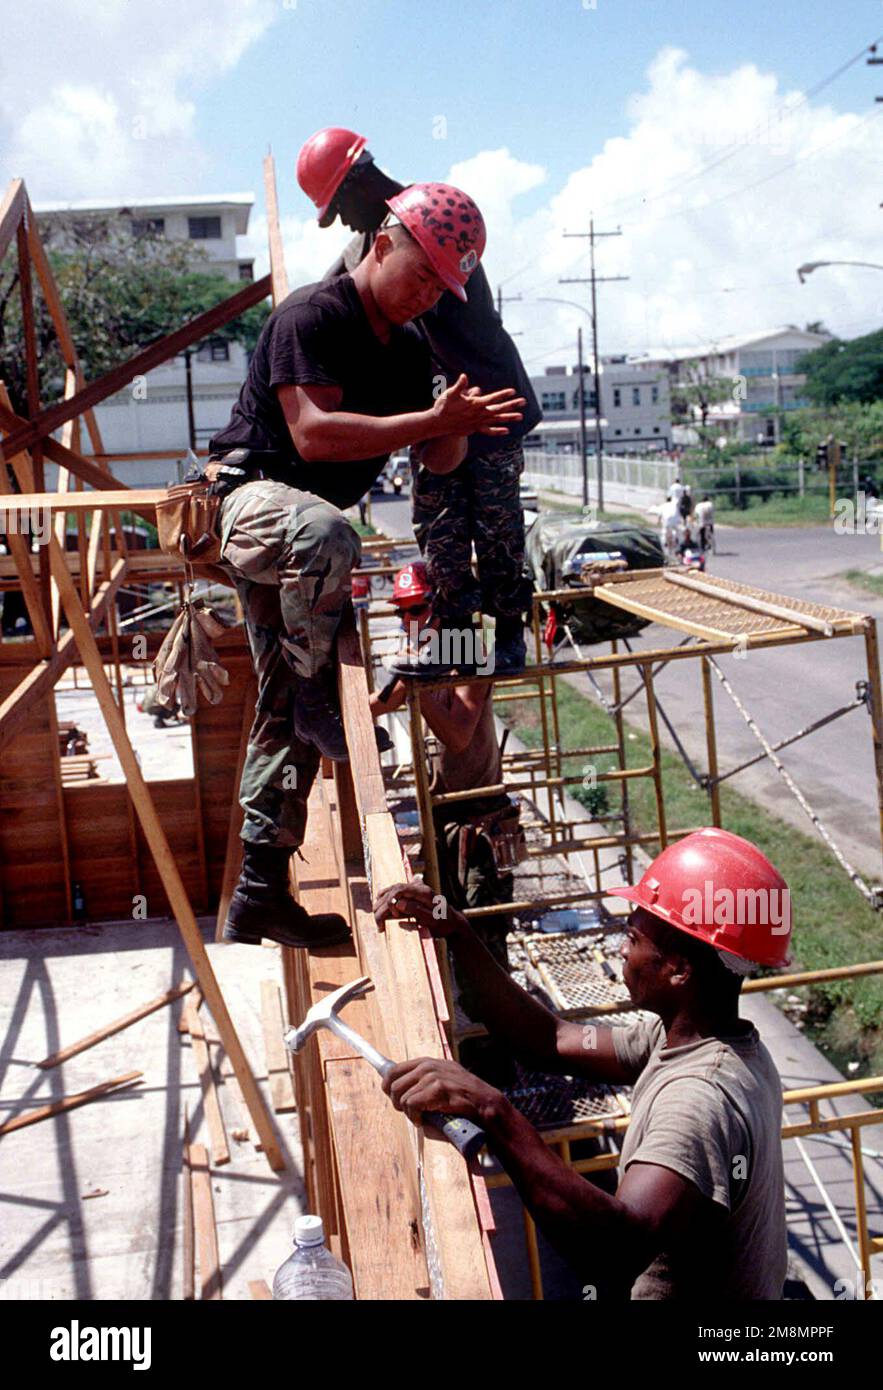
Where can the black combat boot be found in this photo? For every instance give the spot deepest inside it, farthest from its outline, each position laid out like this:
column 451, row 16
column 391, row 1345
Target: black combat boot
column 317, row 718
column 262, row 905
column 510, row 652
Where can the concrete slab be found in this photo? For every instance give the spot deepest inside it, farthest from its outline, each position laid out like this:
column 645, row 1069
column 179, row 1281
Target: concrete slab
column 57, row 1242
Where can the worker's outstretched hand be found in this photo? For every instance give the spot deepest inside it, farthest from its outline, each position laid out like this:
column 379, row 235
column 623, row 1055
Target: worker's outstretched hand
column 417, row 901
column 433, row 1083
column 462, row 409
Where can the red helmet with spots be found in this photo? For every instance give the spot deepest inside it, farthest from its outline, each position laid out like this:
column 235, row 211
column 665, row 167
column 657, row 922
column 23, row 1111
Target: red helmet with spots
column 447, row 225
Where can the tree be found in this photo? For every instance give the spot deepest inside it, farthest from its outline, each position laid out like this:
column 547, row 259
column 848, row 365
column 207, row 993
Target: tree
column 120, row 292
column 858, row 424
column 696, row 391
column 839, row 372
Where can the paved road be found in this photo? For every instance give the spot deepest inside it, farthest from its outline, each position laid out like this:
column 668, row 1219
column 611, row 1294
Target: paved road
column 784, row 689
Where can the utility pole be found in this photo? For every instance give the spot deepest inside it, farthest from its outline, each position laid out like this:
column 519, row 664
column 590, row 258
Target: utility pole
column 505, row 299
column 582, row 417
column 593, row 280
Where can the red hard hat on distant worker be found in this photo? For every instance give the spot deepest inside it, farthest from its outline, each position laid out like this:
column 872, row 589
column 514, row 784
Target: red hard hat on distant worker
column 721, row 889
column 447, row 225
column 412, row 588
column 324, row 162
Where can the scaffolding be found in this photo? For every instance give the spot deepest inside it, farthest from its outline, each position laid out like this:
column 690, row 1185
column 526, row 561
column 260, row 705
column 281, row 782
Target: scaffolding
column 575, row 972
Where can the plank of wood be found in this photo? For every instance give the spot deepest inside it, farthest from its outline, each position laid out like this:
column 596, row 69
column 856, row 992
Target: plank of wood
column 82, row 467
column 60, row 1107
column 278, row 276
column 30, row 588
column 455, row 1231
column 278, row 1070
column 11, row 211
column 134, row 1015
column 386, row 1252
column 259, row 1289
column 188, row 1233
column 211, row 1104
column 210, row 1286
column 141, row 498
column 202, row 326
column 233, row 852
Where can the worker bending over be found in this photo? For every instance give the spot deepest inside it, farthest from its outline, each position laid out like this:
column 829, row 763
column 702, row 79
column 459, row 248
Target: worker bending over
column 699, row 1212
column 479, row 839
column 338, row 379
column 480, row 502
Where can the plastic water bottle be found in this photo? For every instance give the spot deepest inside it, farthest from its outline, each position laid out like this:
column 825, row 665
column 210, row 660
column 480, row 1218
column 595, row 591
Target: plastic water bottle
column 311, row 1271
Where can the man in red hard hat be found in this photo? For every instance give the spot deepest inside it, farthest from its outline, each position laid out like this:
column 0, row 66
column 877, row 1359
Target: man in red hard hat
column 477, row 839
column 338, row 380
column 480, row 502
column 699, row 1212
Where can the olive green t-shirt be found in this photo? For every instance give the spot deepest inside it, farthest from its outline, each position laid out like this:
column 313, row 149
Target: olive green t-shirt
column 712, row 1112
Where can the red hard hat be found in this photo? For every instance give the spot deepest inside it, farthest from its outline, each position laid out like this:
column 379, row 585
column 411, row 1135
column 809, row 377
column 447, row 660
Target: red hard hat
column 412, row 587
column 447, row 225
column 721, row 889
column 324, row 162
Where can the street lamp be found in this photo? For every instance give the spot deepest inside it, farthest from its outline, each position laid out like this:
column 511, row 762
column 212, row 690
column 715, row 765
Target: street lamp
column 546, row 299
column 810, row 266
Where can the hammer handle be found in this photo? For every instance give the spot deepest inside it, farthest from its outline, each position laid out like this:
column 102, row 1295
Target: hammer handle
column 465, row 1136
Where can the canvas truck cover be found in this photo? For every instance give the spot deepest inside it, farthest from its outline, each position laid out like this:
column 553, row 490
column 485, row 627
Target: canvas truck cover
column 557, row 544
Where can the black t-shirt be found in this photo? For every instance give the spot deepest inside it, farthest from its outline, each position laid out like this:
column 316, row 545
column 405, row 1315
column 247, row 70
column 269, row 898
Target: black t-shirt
column 320, row 336
column 467, row 337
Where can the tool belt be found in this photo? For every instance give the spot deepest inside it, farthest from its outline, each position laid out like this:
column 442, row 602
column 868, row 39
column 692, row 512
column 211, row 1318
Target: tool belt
column 500, row 829
column 186, row 522
column 187, row 517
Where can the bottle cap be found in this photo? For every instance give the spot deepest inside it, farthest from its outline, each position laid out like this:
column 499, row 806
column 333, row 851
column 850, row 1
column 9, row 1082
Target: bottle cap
column 308, row 1230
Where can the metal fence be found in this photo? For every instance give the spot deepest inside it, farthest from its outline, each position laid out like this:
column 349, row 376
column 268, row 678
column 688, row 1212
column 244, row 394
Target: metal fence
column 641, row 482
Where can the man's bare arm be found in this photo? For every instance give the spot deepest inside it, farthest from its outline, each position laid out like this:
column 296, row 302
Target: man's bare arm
column 322, row 432
column 530, row 1029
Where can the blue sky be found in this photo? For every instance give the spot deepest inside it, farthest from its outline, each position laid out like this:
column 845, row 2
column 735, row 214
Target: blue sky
column 689, row 124
column 551, row 81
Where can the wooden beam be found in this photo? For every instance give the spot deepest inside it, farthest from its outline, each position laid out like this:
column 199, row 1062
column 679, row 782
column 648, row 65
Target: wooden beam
column 168, row 346
column 30, row 587
column 11, row 212
column 188, row 1232
column 109, row 1029
column 61, row 1107
column 278, row 1069
column 452, row 1218
column 204, row 1219
column 39, row 681
column 259, row 1289
column 278, row 276
column 88, row 469
column 233, row 852
column 211, row 1105
column 140, row 499
column 50, row 289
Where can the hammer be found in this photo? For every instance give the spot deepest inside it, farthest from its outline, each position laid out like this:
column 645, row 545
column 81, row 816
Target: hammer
column 462, row 1133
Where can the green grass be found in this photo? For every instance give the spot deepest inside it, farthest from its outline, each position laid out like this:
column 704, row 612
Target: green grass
column 555, row 504
column 868, row 583
column 833, row 924
column 811, row 510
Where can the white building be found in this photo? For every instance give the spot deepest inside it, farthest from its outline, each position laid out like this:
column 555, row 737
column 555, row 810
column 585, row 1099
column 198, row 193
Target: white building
column 635, row 408
column 761, row 370
column 154, row 417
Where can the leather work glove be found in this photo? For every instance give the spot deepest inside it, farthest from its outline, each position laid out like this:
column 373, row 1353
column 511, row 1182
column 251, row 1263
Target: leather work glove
column 187, row 662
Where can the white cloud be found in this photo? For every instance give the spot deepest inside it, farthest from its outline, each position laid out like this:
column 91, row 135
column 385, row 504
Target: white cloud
column 97, row 97
column 708, row 253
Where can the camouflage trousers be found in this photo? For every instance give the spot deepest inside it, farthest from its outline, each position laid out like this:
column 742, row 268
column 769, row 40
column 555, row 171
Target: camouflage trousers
column 480, row 501
column 290, row 555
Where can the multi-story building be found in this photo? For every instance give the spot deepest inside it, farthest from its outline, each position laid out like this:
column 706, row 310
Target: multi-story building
column 155, row 416
column 635, row 408
column 760, row 370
